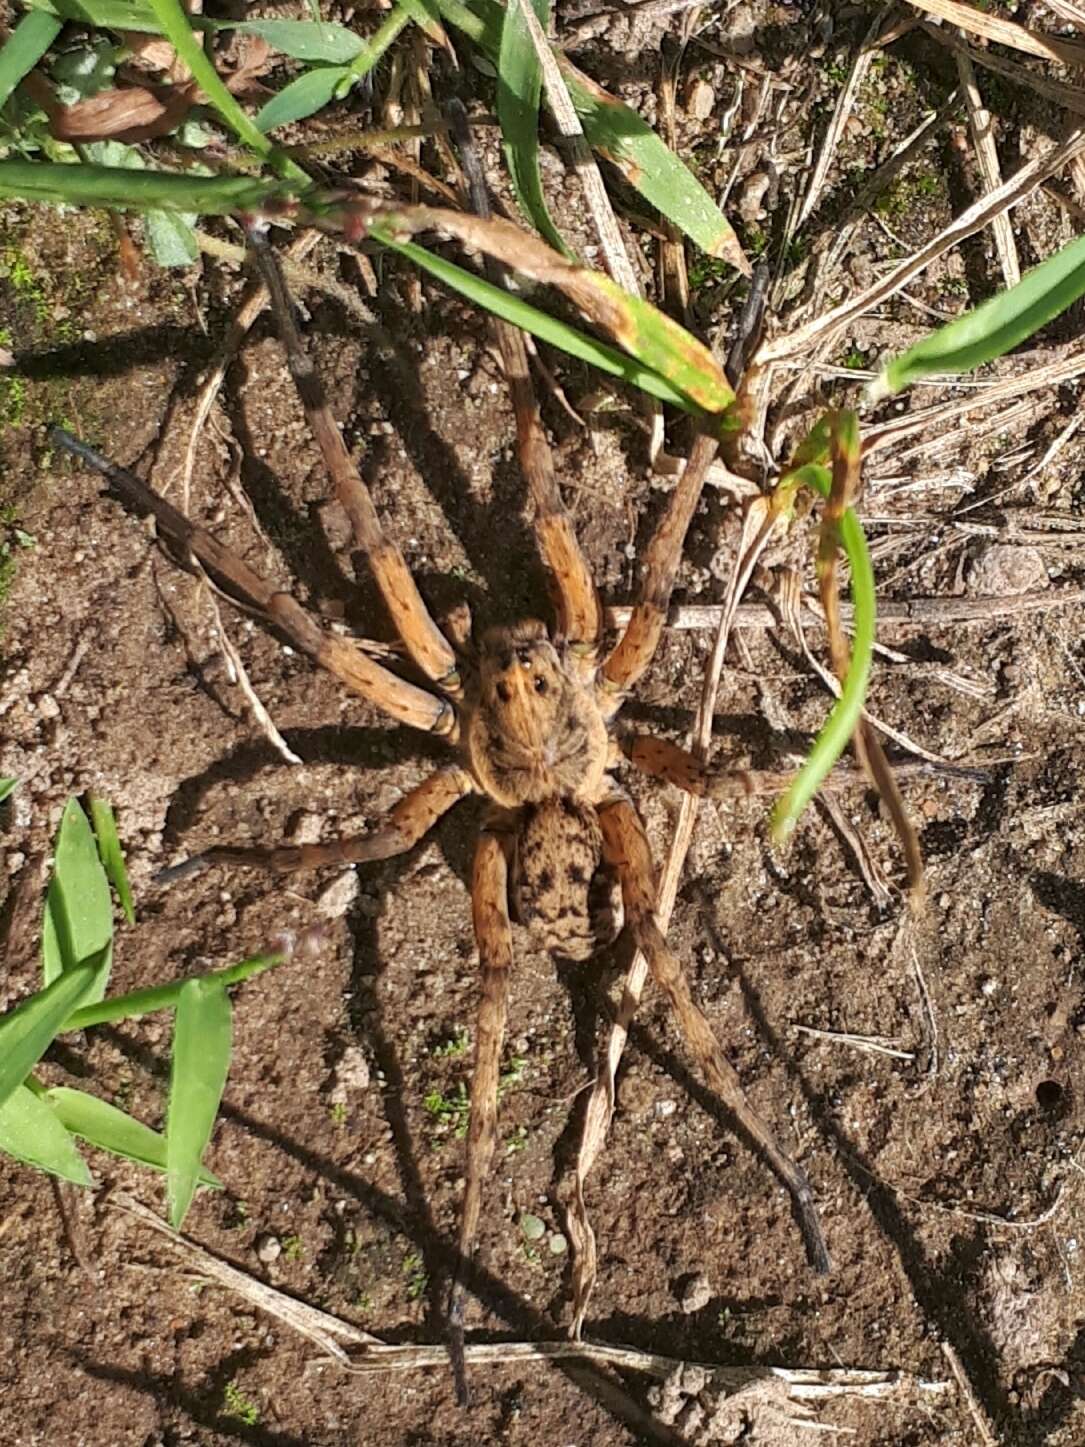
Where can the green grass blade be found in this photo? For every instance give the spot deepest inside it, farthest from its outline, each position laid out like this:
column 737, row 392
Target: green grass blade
column 519, row 86
column 624, row 138
column 103, row 14
column 78, row 919
column 621, row 136
column 304, row 39
column 177, row 30
column 27, row 1031
column 201, row 1058
column 28, row 42
column 540, row 324
column 103, row 1125
column 7, row 788
column 109, row 851
column 994, row 328
column 120, row 189
column 842, row 721
column 304, row 96
column 167, row 997
column 381, row 39
column 31, row 1132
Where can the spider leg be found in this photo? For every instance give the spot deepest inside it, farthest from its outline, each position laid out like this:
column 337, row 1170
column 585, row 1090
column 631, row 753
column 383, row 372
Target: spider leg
column 636, row 648
column 399, row 699
column 580, row 616
column 663, row 760
column 402, row 827
column 490, row 908
column 424, row 641
column 625, row 846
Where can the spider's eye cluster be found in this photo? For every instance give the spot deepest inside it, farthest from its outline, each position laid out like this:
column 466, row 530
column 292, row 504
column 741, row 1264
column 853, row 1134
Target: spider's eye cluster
column 541, row 685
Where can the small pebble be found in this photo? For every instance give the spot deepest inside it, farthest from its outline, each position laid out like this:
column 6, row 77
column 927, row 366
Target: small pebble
column 47, row 705
column 700, row 100
column 269, row 1249
column 696, row 1295
column 532, row 1227
column 336, row 898
column 558, row 1244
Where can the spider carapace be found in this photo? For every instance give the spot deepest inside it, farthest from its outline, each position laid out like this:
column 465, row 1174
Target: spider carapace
column 529, row 714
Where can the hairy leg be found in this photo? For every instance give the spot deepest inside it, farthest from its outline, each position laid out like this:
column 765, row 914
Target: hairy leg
column 490, row 905
column 580, row 616
column 402, row 828
column 636, row 648
column 424, row 641
column 344, row 660
column 625, row 846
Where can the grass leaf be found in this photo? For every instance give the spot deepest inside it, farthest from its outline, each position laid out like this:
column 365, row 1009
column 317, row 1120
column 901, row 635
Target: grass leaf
column 27, row 1031
column 846, row 712
column 120, row 189
column 28, row 42
column 171, row 237
column 7, row 788
column 305, row 39
column 994, row 328
column 103, row 1125
column 109, row 851
column 78, row 919
column 31, row 1132
column 304, row 96
column 519, row 86
column 177, row 30
column 620, row 136
column 201, row 1058
column 167, row 997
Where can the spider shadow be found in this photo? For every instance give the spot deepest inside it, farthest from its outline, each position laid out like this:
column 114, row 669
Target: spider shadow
column 350, row 746
column 938, row 1296
column 410, row 1217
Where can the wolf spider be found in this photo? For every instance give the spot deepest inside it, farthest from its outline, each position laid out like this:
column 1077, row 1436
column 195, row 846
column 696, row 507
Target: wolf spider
column 529, row 714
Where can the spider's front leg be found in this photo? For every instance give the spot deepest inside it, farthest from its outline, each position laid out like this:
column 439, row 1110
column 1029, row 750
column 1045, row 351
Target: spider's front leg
column 490, row 910
column 626, row 849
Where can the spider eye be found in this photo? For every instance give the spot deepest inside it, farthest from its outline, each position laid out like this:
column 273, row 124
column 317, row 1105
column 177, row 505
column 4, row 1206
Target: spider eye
column 503, row 692
column 541, row 685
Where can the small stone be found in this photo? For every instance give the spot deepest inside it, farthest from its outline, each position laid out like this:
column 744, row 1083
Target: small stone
column 696, row 1295
column 532, row 1227
column 351, row 1074
column 700, row 100
column 1003, row 568
column 666, row 1108
column 336, row 898
column 47, row 705
column 558, row 1244
column 268, row 1249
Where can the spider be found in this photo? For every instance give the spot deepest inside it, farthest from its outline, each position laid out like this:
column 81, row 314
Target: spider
column 529, row 714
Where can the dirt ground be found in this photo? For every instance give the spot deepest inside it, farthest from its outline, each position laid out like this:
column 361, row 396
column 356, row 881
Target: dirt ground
column 944, row 1163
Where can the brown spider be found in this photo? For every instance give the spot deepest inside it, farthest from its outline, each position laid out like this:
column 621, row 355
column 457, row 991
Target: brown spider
column 528, row 714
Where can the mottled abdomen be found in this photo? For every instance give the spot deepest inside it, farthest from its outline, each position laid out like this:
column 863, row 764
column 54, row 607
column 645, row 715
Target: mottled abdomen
column 562, row 891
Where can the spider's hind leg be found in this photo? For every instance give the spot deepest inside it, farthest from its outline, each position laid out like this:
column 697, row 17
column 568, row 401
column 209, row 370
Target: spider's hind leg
column 626, row 846
column 490, row 910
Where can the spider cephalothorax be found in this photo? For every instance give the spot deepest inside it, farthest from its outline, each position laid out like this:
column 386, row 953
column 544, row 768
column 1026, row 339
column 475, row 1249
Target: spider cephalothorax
column 528, row 717
column 535, row 731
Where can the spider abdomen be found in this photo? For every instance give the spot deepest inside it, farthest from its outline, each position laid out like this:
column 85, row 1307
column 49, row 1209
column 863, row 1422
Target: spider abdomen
column 562, row 891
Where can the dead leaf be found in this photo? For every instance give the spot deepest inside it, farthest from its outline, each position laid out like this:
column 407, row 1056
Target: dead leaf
column 128, row 114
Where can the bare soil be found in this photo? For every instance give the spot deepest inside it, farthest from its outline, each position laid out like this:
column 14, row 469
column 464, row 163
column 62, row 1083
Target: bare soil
column 946, row 1173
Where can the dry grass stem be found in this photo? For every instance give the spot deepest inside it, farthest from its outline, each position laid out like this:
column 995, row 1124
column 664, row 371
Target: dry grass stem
column 971, row 220
column 979, row 124
column 1004, row 32
column 264, row 721
column 845, row 103
column 968, row 1392
column 873, row 1044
